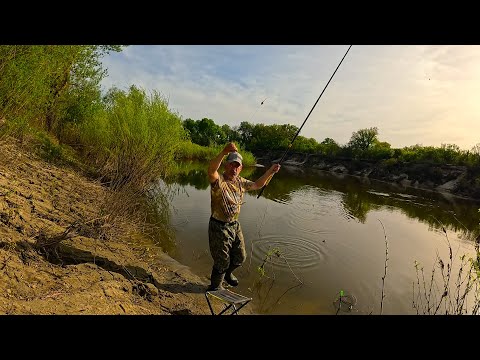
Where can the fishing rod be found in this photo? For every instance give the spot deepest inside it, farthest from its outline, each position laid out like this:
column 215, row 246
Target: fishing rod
column 304, row 121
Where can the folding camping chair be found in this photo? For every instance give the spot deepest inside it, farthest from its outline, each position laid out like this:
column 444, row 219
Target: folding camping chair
column 232, row 301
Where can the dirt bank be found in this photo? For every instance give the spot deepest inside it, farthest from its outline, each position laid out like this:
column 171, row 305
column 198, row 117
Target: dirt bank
column 84, row 271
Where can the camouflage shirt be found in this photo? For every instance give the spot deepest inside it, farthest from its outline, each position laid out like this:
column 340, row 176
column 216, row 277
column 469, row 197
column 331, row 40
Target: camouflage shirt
column 227, row 197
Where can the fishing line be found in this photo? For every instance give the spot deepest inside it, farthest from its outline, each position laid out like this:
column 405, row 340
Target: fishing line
column 304, row 121
column 255, row 112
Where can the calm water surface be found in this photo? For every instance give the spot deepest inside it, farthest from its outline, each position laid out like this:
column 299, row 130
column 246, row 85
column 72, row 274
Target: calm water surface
column 318, row 234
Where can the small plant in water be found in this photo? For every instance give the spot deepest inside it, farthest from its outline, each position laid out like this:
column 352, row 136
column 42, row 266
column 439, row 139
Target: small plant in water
column 450, row 294
column 268, row 255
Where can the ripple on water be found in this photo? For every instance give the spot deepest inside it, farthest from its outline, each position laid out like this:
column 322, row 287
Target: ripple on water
column 311, row 204
column 348, row 216
column 299, row 252
column 318, row 226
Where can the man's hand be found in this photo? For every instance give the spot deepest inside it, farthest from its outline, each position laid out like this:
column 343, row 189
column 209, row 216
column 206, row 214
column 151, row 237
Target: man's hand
column 217, row 160
column 274, row 168
column 230, row 147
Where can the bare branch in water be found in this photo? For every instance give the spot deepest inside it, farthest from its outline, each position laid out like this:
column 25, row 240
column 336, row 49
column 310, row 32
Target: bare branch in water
column 385, row 272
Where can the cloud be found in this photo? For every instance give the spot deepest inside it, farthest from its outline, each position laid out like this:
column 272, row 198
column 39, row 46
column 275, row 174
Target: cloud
column 413, row 94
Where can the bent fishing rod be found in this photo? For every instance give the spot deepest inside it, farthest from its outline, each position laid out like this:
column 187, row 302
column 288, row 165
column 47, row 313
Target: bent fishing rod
column 304, row 121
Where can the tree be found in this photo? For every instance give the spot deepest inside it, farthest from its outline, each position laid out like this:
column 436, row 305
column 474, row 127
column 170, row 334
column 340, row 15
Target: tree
column 363, row 139
column 75, row 88
column 271, row 137
column 476, row 149
column 50, row 85
column 329, row 142
column 205, row 132
column 191, row 127
column 380, row 150
column 306, row 145
column 230, row 134
column 245, row 131
column 329, row 147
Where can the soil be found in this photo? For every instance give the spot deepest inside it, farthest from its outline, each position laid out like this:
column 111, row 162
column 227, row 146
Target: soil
column 49, row 264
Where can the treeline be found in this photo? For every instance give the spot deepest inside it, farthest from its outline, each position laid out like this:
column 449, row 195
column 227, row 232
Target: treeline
column 51, row 96
column 364, row 144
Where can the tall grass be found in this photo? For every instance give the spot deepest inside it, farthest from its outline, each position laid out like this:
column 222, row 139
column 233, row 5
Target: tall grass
column 134, row 140
column 24, row 86
column 47, row 87
column 192, row 151
column 448, row 291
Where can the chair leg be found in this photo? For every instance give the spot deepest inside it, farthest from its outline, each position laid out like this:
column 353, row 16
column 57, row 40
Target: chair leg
column 229, row 303
column 209, row 305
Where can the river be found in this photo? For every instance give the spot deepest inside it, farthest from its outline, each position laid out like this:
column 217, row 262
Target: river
column 321, row 243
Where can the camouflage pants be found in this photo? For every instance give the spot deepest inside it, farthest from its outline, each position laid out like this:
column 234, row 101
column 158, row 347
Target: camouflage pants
column 227, row 245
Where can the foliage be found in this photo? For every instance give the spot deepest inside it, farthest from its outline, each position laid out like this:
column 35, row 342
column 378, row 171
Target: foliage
column 272, row 136
column 47, row 86
column 379, row 151
column 135, row 137
column 302, row 144
column 363, row 139
column 268, row 255
column 364, row 144
column 204, row 132
column 245, row 131
column 476, row 150
column 231, row 134
column 329, row 148
column 191, row 151
column 50, row 149
column 56, row 88
column 437, row 294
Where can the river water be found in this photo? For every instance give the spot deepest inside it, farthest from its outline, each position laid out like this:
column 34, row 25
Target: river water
column 320, row 243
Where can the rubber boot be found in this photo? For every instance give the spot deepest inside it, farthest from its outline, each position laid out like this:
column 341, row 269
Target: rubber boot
column 230, row 278
column 216, row 280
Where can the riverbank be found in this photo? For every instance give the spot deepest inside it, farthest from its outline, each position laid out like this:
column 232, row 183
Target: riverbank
column 451, row 179
column 57, row 255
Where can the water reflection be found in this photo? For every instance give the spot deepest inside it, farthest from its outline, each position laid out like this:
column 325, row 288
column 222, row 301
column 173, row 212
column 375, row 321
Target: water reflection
column 195, row 174
column 325, row 228
column 358, row 198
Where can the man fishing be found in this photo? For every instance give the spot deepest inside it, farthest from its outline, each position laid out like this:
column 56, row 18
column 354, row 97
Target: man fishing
column 225, row 237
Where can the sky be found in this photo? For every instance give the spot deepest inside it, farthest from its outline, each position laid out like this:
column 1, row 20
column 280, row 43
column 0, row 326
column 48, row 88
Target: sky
column 414, row 94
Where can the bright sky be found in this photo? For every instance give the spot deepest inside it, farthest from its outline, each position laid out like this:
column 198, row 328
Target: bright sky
column 413, row 94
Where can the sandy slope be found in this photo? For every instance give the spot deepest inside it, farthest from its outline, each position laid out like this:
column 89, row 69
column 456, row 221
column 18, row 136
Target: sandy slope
column 86, row 273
